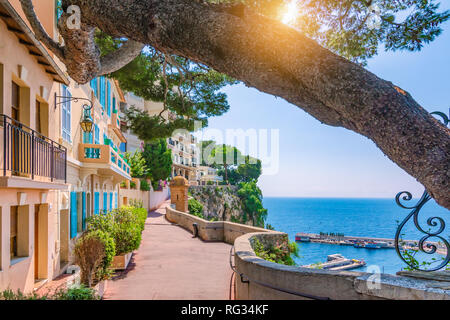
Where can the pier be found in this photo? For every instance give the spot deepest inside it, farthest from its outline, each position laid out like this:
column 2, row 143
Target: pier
column 362, row 242
column 337, row 262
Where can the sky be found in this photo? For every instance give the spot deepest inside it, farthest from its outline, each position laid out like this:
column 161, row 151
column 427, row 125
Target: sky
column 316, row 160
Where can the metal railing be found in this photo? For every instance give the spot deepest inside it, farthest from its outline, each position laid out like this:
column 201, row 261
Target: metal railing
column 27, row 153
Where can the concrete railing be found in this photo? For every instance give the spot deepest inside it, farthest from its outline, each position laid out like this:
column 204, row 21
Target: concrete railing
column 260, row 279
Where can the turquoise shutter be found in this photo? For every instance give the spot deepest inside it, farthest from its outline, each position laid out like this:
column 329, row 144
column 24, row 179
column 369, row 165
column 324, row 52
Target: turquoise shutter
column 96, row 203
column 102, row 92
column 84, row 211
column 105, row 202
column 73, row 215
column 110, row 201
column 108, row 98
column 97, row 134
column 117, row 200
column 94, row 86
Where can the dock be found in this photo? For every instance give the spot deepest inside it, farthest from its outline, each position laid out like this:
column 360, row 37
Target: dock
column 337, row 262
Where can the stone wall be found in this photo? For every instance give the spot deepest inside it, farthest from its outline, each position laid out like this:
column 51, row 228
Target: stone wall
column 271, row 281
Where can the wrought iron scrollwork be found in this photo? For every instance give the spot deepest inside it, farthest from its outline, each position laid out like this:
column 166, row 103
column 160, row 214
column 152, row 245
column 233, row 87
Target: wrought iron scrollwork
column 433, row 222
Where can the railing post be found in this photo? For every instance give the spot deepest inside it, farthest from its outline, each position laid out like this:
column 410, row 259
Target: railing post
column 32, row 155
column 52, row 162
column 4, row 146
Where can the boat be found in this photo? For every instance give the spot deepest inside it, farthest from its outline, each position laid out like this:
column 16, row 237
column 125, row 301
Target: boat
column 359, row 245
column 372, row 246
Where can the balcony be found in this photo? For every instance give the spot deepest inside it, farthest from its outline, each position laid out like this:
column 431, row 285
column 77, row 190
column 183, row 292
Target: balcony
column 29, row 159
column 105, row 159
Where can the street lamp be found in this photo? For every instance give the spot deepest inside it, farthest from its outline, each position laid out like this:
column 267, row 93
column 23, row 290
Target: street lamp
column 86, row 122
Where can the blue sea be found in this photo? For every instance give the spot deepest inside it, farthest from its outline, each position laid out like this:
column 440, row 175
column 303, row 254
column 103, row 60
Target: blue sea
column 352, row 217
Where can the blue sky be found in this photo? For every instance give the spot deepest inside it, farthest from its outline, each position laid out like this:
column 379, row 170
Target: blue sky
column 322, row 161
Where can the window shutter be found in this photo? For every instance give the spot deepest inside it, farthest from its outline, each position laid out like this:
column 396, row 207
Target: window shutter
column 110, row 201
column 108, row 98
column 105, row 202
column 84, row 211
column 73, row 215
column 117, row 200
column 96, row 203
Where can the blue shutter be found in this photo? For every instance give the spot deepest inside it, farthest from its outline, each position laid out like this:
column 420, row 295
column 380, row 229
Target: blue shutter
column 96, row 203
column 114, row 105
column 94, row 86
column 110, row 201
column 108, row 98
column 59, row 11
column 84, row 211
column 117, row 200
column 105, row 202
column 73, row 215
column 102, row 92
column 97, row 134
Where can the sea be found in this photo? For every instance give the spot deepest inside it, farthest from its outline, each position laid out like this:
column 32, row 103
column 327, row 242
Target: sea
column 352, row 217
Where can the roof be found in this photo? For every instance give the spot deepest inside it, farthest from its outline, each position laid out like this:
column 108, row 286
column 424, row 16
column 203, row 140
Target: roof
column 119, row 89
column 179, row 181
column 26, row 37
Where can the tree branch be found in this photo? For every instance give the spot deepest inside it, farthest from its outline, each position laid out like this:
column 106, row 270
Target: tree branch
column 41, row 34
column 279, row 60
column 120, row 57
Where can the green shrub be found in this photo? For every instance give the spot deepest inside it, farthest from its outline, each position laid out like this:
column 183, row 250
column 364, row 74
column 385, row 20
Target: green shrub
column 132, row 185
column 124, row 226
column 145, row 186
column 277, row 253
column 136, row 203
column 76, row 293
column 11, row 295
column 90, row 254
column 210, row 183
column 195, row 208
column 127, row 232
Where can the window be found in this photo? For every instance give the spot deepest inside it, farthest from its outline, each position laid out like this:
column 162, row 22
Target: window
column 66, row 115
column 15, row 101
column 38, row 117
column 13, row 238
column 114, row 105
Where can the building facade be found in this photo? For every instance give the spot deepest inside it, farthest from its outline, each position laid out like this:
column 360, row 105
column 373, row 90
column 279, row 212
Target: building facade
column 53, row 174
column 32, row 161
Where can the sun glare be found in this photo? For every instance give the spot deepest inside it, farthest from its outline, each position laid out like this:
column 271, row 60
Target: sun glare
column 291, row 13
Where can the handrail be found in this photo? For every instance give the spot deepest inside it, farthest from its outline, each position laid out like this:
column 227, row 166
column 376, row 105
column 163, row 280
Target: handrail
column 30, row 153
column 21, row 126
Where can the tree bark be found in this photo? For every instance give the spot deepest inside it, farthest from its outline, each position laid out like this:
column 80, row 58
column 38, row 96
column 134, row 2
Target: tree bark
column 279, row 60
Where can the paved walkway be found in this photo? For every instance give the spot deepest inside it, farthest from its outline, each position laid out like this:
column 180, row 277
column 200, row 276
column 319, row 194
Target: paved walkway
column 171, row 264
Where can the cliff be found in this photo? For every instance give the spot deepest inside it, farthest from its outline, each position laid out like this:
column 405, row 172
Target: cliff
column 220, row 203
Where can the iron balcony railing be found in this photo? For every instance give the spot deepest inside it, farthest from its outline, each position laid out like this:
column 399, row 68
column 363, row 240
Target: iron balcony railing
column 27, row 153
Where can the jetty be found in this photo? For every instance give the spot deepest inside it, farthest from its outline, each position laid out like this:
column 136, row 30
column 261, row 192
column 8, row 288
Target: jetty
column 337, row 262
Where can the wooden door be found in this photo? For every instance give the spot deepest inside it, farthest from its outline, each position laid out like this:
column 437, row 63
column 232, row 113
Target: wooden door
column 36, row 242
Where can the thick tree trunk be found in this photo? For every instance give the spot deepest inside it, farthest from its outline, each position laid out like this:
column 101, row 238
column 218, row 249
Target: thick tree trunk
column 278, row 60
